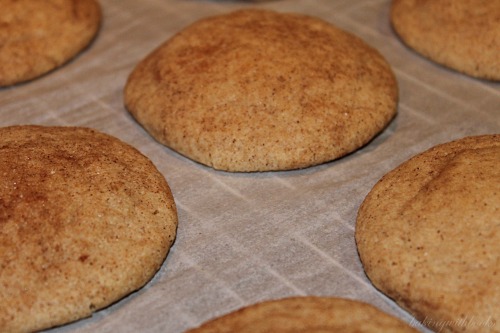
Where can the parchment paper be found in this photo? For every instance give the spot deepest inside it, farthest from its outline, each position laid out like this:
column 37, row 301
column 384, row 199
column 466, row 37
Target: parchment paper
column 244, row 238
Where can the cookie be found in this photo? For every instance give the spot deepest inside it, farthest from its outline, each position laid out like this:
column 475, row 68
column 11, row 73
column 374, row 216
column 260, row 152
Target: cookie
column 85, row 219
column 37, row 36
column 306, row 314
column 463, row 35
column 257, row 90
column 428, row 234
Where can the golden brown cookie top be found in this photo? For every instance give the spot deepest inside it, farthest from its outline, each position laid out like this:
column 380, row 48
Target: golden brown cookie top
column 84, row 220
column 306, row 314
column 461, row 34
column 257, row 90
column 37, row 36
column 428, row 235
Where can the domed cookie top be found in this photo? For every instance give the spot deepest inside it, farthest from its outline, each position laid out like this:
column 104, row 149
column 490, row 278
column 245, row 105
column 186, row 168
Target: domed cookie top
column 40, row 35
column 306, row 314
column 257, row 90
column 428, row 235
column 85, row 219
column 461, row 34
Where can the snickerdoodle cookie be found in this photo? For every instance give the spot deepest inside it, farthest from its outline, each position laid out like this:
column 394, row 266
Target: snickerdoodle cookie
column 460, row 34
column 36, row 36
column 306, row 314
column 428, row 235
column 85, row 219
column 257, row 90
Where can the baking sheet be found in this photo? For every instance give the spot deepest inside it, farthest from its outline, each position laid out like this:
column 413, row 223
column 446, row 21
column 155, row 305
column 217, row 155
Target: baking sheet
column 244, row 238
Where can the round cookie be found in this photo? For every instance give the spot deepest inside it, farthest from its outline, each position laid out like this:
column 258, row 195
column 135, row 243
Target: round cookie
column 85, row 219
column 257, row 90
column 306, row 314
column 428, row 235
column 460, row 34
column 39, row 35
